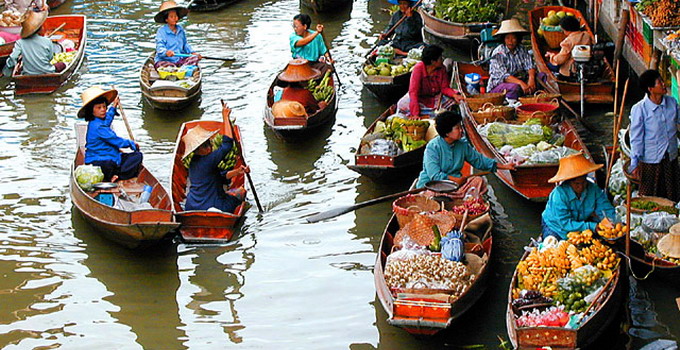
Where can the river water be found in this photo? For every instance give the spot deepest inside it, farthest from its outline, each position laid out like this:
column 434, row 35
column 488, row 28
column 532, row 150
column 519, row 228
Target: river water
column 283, row 283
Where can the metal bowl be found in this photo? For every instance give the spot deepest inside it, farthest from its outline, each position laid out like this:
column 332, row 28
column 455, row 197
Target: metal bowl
column 105, row 185
column 441, row 186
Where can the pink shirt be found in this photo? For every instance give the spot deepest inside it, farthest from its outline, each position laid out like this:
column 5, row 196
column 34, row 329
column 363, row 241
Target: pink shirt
column 424, row 88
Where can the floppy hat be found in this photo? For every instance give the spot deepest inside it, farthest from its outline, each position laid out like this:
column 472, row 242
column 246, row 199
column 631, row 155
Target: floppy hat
column 194, row 138
column 167, row 6
column 91, row 94
column 298, row 70
column 511, row 26
column 573, row 166
column 32, row 23
column 669, row 245
column 288, row 109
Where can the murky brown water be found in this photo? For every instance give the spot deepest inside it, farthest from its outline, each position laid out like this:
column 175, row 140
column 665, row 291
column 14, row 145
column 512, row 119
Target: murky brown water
column 283, row 283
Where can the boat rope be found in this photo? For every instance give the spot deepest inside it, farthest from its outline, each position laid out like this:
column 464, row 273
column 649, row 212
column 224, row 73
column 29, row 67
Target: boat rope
column 630, row 268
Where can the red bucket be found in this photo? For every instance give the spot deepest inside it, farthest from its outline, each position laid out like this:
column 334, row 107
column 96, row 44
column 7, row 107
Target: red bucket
column 543, row 111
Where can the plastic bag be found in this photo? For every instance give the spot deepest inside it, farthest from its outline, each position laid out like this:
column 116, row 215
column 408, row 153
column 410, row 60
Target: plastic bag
column 617, row 179
column 659, row 221
column 452, row 247
column 501, row 134
column 87, row 175
column 525, row 151
column 551, row 156
column 384, row 147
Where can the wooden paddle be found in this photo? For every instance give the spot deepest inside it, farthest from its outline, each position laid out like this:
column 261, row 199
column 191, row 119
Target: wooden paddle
column 125, row 120
column 55, row 30
column 617, row 127
column 240, row 154
column 226, row 59
column 331, row 62
column 346, row 209
column 394, row 27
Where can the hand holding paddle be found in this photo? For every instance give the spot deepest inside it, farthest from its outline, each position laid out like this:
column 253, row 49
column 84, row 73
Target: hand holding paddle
column 391, row 31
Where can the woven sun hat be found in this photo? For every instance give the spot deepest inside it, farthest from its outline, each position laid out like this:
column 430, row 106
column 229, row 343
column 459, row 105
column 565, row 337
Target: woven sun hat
column 396, row 2
column 167, row 6
column 573, row 166
column 32, row 23
column 511, row 26
column 298, row 70
column 91, row 94
column 288, row 109
column 194, row 138
column 669, row 245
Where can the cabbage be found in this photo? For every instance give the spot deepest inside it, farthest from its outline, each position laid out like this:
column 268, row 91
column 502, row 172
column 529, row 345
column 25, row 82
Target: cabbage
column 87, row 175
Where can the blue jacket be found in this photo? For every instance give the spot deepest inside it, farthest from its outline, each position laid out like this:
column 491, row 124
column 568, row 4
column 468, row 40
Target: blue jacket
column 653, row 131
column 441, row 160
column 206, row 190
column 102, row 143
column 166, row 40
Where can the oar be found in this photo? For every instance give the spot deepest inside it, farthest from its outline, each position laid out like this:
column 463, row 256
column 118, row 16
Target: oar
column 331, row 63
column 226, row 59
column 125, row 120
column 394, row 27
column 240, row 154
column 617, row 127
column 56, row 30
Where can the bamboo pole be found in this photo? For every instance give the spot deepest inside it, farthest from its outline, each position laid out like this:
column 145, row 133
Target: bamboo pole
column 617, row 127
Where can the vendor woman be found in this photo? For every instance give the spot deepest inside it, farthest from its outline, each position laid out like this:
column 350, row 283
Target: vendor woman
column 408, row 34
column 171, row 39
column 576, row 204
column 446, row 154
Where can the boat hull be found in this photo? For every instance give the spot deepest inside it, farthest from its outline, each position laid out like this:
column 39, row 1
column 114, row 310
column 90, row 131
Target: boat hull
column 325, row 5
column 210, row 5
column 170, row 98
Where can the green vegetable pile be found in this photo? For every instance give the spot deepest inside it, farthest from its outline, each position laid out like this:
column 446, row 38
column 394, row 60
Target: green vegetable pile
column 467, row 11
column 227, row 162
column 397, row 129
column 322, row 91
column 87, row 175
column 644, row 205
column 501, row 134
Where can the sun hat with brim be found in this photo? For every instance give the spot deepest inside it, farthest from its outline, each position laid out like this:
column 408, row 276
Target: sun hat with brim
column 168, row 6
column 91, row 94
column 573, row 166
column 194, row 138
column 669, row 245
column 32, row 23
column 288, row 109
column 299, row 70
column 510, row 26
column 396, row 2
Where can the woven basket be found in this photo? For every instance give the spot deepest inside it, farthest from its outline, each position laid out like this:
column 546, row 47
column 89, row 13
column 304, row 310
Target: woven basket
column 544, row 111
column 658, row 200
column 552, row 37
column 541, row 97
column 475, row 102
column 409, row 205
column 419, row 229
column 483, row 115
column 459, row 217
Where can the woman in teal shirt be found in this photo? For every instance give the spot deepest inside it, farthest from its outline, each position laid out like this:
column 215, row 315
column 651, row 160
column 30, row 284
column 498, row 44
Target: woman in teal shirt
column 576, row 204
column 446, row 154
column 306, row 43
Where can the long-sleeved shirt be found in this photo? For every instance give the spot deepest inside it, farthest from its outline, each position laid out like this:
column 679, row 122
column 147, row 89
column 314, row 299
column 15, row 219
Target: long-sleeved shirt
column 206, row 190
column 312, row 51
column 166, row 40
column 442, row 160
column 424, row 88
column 102, row 143
column 409, row 33
column 653, row 131
column 505, row 63
column 37, row 52
column 565, row 212
column 563, row 58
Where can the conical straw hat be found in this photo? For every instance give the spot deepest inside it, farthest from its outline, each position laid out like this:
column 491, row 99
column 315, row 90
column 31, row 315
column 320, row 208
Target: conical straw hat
column 574, row 166
column 91, row 94
column 194, row 138
column 298, row 70
column 167, row 6
column 511, row 26
column 669, row 245
column 288, row 109
column 32, row 23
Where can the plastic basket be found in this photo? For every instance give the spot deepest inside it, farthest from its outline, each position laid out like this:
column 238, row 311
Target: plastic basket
column 405, row 207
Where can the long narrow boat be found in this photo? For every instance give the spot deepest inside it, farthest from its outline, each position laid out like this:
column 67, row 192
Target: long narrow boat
column 325, row 5
column 529, row 181
column 451, row 32
column 427, row 312
column 295, row 128
column 644, row 263
column 379, row 167
column 5, row 51
column 601, row 91
column 385, row 88
column 202, row 225
column 209, row 5
column 166, row 94
column 132, row 228
column 74, row 29
column 606, row 307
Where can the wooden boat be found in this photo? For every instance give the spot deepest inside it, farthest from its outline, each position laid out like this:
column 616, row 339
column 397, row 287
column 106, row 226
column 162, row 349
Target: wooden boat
column 529, row 181
column 165, row 94
column 209, row 5
column 325, row 5
column 606, row 307
column 425, row 312
column 75, row 29
column 299, row 127
column 53, row 4
column 644, row 263
column 451, row 32
column 379, row 167
column 385, row 88
column 601, row 91
column 5, row 51
column 132, row 228
column 202, row 225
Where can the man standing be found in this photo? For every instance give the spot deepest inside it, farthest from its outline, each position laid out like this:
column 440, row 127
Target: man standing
column 654, row 123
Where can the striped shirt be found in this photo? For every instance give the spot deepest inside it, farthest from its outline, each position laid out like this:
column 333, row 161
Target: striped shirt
column 505, row 63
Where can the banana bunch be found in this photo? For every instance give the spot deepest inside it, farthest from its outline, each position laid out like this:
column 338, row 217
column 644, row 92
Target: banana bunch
column 583, row 237
column 230, row 158
column 608, row 230
column 65, row 57
column 187, row 160
column 600, row 256
column 322, row 91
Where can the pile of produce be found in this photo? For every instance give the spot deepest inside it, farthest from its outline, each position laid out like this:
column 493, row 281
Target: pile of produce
column 501, row 134
column 65, row 57
column 650, row 206
column 395, row 136
column 551, row 317
column 10, row 19
column 322, row 91
column 468, row 11
column 474, row 207
column 88, row 175
column 394, row 67
column 428, row 271
column 551, row 22
column 662, row 13
column 226, row 163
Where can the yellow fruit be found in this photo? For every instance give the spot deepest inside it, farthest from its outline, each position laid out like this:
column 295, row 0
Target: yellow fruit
column 570, row 14
column 561, row 14
column 551, row 13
